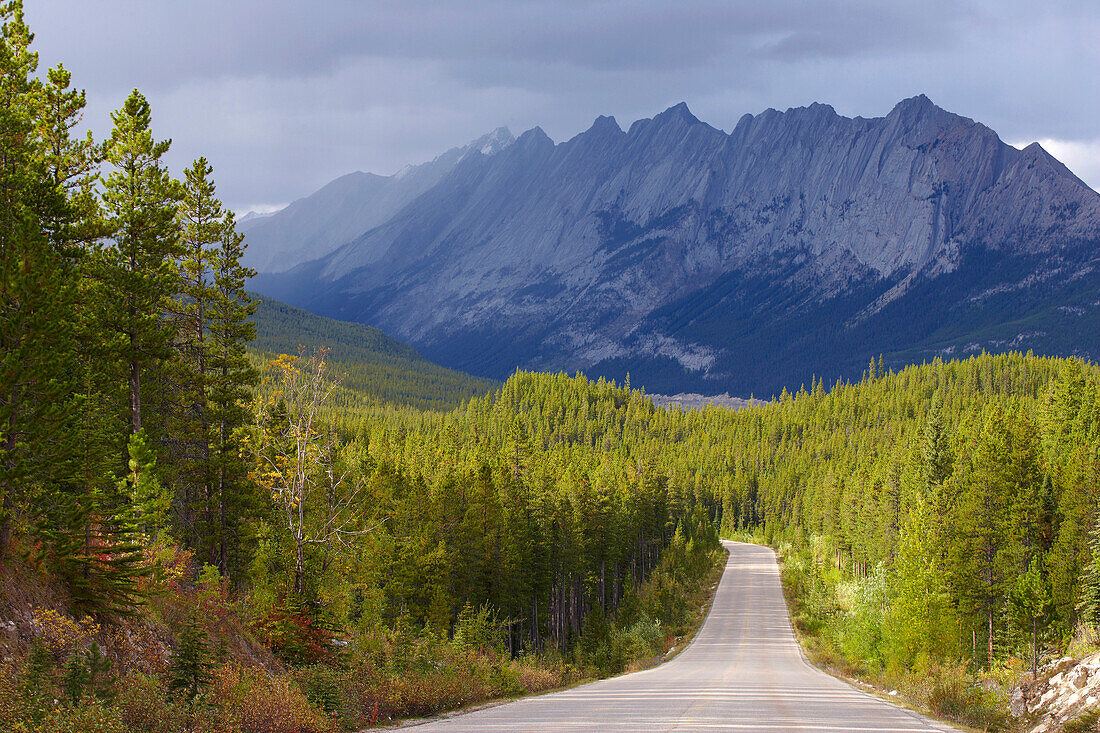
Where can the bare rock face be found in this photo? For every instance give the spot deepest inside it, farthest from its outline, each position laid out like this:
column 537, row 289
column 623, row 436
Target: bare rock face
column 800, row 243
column 1060, row 692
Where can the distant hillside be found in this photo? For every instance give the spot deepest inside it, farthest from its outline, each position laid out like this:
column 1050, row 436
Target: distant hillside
column 372, row 362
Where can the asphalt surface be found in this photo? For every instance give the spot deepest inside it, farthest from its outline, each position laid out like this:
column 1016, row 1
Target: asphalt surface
column 743, row 672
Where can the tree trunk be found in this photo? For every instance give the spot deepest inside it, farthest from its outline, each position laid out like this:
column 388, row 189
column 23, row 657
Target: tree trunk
column 135, row 397
column 5, row 524
column 300, row 558
column 223, row 441
column 1034, row 645
column 299, row 569
column 990, row 657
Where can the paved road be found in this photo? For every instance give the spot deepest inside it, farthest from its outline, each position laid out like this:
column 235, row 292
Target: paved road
column 743, row 672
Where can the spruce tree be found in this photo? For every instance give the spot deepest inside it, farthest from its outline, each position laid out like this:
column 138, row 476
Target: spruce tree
column 190, row 669
column 37, row 289
column 200, row 215
column 936, row 452
column 1088, row 605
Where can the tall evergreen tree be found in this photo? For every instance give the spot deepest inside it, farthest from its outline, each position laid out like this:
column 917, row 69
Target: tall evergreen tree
column 936, row 450
column 200, row 215
column 37, row 286
column 138, row 261
column 231, row 379
column 214, row 330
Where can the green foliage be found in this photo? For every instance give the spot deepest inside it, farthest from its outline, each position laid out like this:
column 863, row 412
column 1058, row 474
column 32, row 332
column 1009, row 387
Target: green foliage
column 39, row 365
column 955, row 697
column 148, row 499
column 480, row 630
column 122, row 351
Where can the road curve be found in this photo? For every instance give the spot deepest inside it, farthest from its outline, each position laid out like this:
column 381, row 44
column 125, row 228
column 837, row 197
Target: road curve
column 743, row 672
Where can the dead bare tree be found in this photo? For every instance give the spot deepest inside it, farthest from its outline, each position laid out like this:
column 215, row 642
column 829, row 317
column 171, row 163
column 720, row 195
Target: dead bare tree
column 296, row 459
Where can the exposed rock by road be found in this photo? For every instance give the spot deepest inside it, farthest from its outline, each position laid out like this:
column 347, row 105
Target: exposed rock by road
column 1061, row 691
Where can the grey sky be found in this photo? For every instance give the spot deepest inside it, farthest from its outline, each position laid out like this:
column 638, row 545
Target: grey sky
column 284, row 96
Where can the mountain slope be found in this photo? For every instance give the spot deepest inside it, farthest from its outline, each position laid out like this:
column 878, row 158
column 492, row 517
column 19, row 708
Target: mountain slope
column 801, row 243
column 314, row 226
column 371, row 362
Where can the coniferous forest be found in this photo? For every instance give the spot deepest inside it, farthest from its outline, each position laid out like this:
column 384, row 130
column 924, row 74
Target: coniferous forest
column 196, row 537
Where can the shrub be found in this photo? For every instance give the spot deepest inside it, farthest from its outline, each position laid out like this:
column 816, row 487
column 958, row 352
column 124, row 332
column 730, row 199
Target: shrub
column 13, row 705
column 480, row 630
column 90, row 717
column 142, row 705
column 292, row 633
column 60, row 634
column 1087, row 723
column 251, row 702
column 953, row 697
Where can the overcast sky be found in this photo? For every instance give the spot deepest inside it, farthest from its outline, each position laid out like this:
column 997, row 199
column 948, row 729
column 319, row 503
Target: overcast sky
column 284, row 96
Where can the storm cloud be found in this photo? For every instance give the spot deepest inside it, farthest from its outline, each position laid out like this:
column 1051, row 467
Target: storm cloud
column 284, row 96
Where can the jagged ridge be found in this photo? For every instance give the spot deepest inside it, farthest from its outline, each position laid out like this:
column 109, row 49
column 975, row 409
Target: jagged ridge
column 799, row 243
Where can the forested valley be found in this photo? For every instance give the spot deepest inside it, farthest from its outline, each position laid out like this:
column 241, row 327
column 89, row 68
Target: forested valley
column 196, row 536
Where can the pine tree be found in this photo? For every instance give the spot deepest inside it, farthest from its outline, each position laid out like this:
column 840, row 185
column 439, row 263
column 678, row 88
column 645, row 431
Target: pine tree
column 231, row 377
column 936, row 451
column 148, row 500
column 200, row 215
column 87, row 672
column 137, row 271
column 1089, row 604
column 72, row 163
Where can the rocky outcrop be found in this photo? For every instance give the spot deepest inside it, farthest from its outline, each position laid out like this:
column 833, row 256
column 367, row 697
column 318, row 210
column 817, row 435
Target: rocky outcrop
column 1061, row 691
column 800, row 243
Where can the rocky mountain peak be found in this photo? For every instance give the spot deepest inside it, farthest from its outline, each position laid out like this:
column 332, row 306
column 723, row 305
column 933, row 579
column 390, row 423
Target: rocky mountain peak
column 678, row 116
column 815, row 110
column 534, row 139
column 919, row 115
column 494, row 142
column 604, row 124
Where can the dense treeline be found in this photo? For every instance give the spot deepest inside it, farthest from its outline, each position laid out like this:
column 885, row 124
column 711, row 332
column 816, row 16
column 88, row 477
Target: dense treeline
column 522, row 500
column 957, row 499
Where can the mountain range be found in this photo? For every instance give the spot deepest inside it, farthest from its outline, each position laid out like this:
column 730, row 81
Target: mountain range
column 802, row 243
